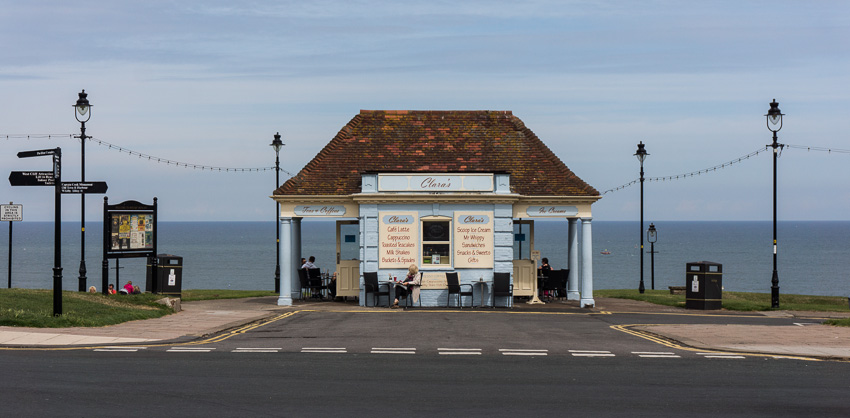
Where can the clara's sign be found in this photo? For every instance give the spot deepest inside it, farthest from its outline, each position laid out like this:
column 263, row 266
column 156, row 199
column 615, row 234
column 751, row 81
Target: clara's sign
column 398, row 237
column 473, row 236
column 320, row 210
column 551, row 211
column 435, row 183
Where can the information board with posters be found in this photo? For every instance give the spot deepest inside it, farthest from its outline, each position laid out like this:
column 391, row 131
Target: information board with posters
column 129, row 229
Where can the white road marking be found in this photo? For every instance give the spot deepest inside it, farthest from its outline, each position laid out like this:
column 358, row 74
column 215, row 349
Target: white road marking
column 721, row 355
column 393, row 350
column 116, row 350
column 188, row 350
column 591, row 353
column 656, row 354
column 323, row 350
column 256, row 350
column 523, row 352
column 459, row 351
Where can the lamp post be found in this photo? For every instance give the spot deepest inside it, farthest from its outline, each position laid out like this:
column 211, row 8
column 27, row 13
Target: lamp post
column 774, row 124
column 641, row 155
column 652, row 237
column 82, row 111
column 277, row 144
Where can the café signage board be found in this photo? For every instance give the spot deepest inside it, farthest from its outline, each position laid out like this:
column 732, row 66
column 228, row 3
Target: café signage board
column 398, row 238
column 320, row 210
column 436, row 182
column 551, row 211
column 473, row 240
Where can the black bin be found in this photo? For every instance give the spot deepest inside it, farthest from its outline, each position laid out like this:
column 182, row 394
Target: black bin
column 168, row 277
column 703, row 285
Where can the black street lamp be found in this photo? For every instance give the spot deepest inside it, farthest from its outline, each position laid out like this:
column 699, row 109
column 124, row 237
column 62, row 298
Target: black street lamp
column 82, row 111
column 277, row 144
column 652, row 237
column 641, row 155
column 774, row 124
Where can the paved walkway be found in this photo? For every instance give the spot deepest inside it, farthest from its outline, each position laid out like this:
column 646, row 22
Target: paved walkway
column 209, row 317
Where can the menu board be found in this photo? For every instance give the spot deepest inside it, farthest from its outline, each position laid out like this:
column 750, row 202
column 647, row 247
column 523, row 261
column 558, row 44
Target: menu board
column 398, row 239
column 473, row 239
column 131, row 231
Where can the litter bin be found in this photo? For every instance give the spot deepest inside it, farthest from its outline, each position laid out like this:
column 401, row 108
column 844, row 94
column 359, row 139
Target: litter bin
column 168, row 277
column 703, row 285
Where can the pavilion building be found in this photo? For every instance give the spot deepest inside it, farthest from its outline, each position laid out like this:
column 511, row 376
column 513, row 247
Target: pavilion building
column 449, row 191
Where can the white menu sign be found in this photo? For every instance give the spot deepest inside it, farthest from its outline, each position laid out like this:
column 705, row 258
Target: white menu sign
column 398, row 237
column 473, row 239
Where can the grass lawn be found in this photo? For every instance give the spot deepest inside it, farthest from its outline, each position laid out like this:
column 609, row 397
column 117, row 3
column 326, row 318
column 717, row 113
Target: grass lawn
column 34, row 307
column 737, row 301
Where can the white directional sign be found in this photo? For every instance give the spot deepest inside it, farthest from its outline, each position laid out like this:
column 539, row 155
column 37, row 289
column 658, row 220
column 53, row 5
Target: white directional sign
column 9, row 213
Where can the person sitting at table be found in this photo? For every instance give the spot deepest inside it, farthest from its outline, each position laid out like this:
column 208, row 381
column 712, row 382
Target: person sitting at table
column 310, row 263
column 413, row 280
column 332, row 286
column 543, row 271
column 544, row 268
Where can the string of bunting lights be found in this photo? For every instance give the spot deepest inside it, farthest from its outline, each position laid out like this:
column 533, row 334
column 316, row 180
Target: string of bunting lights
column 231, row 169
column 142, row 155
column 692, row 173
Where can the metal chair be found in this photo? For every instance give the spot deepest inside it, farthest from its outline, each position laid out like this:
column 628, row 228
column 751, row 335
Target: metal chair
column 554, row 282
column 502, row 286
column 371, row 285
column 302, row 277
column 455, row 288
column 314, row 283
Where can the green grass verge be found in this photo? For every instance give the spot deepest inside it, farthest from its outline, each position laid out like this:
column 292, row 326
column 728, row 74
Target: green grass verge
column 737, row 301
column 34, row 308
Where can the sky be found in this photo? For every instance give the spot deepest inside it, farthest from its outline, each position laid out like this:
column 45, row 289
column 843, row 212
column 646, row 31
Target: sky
column 209, row 83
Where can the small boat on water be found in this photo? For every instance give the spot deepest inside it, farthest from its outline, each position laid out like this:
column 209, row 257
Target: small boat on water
column 605, row 252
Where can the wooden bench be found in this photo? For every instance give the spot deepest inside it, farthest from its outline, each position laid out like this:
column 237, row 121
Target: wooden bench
column 677, row 290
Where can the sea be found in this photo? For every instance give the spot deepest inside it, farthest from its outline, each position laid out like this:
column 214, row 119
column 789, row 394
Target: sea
column 813, row 256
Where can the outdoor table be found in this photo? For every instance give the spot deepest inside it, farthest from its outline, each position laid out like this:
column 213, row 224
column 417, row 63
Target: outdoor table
column 392, row 284
column 483, row 285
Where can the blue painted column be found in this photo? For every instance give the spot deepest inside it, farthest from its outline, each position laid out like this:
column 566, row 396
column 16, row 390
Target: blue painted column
column 285, row 298
column 586, row 265
column 572, row 260
column 295, row 252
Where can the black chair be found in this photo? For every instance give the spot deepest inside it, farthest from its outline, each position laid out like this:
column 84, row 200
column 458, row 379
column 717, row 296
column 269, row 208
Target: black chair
column 314, row 283
column 455, row 288
column 302, row 276
column 562, row 284
column 502, row 286
column 371, row 285
column 555, row 283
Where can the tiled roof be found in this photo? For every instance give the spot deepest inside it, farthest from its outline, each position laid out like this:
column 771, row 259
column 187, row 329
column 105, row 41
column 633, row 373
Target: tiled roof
column 376, row 141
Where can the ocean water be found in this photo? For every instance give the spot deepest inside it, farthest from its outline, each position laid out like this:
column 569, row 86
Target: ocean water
column 814, row 256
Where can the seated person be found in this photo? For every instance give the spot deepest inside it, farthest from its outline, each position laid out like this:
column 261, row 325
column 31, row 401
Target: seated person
column 309, row 264
column 332, row 286
column 136, row 290
column 414, row 278
column 92, row 289
column 111, row 290
column 128, row 288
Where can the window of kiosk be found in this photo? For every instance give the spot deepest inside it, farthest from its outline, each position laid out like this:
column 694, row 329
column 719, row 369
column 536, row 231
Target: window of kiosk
column 436, row 242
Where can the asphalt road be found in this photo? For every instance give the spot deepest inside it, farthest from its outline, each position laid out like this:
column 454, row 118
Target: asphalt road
column 469, row 364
